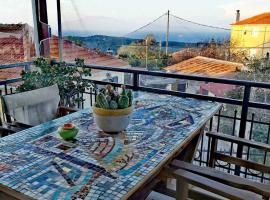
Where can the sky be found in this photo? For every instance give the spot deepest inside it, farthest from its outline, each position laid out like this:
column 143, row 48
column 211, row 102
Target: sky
column 123, row 16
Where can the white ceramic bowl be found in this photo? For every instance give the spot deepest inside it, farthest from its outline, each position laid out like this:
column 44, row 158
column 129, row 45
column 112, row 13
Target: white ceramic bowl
column 112, row 121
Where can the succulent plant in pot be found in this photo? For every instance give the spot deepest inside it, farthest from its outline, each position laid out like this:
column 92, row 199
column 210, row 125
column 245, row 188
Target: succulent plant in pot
column 112, row 110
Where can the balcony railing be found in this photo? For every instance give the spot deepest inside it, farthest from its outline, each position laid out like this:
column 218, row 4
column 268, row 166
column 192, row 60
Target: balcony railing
column 202, row 157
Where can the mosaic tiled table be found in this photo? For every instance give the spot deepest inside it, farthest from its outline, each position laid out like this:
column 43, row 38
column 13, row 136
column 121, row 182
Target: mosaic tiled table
column 38, row 164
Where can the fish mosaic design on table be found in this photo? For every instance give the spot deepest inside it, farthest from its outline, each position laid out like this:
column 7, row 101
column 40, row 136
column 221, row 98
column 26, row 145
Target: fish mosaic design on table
column 39, row 164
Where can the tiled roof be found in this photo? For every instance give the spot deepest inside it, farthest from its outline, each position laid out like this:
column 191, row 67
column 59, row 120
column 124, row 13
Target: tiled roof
column 12, row 46
column 263, row 18
column 206, row 66
column 72, row 51
column 217, row 89
column 11, row 52
column 11, row 27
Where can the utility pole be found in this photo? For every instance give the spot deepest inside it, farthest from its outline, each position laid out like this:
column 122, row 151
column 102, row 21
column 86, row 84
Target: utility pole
column 60, row 36
column 146, row 52
column 167, row 33
column 159, row 53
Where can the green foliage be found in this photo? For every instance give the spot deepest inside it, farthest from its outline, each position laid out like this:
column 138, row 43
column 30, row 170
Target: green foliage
column 137, row 52
column 110, row 99
column 258, row 70
column 68, row 78
column 123, row 101
column 76, row 40
column 130, row 96
column 102, row 101
column 113, row 105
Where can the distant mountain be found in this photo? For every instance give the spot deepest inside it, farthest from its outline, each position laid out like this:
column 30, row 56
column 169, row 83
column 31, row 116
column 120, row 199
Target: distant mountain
column 110, row 26
column 185, row 36
column 104, row 42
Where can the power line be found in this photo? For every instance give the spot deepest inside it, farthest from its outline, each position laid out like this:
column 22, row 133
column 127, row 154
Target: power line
column 78, row 14
column 204, row 25
column 145, row 25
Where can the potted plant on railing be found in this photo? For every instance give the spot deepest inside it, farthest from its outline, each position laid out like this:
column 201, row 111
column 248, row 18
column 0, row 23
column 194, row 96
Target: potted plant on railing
column 112, row 110
column 70, row 79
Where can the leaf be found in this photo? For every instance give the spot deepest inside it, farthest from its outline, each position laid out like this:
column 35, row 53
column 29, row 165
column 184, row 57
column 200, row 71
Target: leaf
column 68, row 78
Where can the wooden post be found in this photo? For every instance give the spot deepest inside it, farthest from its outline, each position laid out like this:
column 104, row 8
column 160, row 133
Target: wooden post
column 212, row 151
column 187, row 155
column 181, row 189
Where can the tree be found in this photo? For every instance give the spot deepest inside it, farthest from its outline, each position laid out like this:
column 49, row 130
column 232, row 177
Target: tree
column 258, row 70
column 144, row 53
column 214, row 49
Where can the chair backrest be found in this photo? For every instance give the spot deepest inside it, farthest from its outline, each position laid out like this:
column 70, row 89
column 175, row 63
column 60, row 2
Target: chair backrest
column 215, row 155
column 33, row 107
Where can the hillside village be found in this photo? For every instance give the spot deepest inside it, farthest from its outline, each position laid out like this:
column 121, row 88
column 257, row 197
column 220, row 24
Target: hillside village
column 175, row 107
column 248, row 40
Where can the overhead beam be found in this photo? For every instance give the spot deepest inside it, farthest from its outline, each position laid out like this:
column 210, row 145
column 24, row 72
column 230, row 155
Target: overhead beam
column 60, row 36
column 35, row 21
column 41, row 27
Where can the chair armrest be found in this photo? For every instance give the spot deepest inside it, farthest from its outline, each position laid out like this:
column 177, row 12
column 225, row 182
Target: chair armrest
column 225, row 178
column 14, row 127
column 237, row 140
column 210, row 185
column 21, row 125
column 62, row 110
column 5, row 131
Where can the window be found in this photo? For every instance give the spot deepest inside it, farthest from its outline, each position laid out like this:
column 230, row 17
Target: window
column 255, row 32
column 253, row 52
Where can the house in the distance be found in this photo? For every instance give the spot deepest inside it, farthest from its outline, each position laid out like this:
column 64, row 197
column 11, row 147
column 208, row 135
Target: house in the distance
column 16, row 45
column 91, row 57
column 207, row 67
column 251, row 36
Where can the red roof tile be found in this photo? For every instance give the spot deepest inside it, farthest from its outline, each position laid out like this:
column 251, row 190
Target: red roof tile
column 9, row 28
column 72, row 51
column 263, row 18
column 11, row 52
column 206, row 66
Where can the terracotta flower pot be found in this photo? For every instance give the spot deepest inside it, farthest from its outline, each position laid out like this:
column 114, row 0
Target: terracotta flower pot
column 112, row 121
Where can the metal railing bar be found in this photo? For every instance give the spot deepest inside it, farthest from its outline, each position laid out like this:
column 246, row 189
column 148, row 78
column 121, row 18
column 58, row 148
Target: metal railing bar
column 233, row 134
column 265, row 154
column 13, row 65
column 243, row 123
column 250, row 136
column 259, row 105
column 190, row 95
column 5, row 82
column 178, row 76
column 238, row 118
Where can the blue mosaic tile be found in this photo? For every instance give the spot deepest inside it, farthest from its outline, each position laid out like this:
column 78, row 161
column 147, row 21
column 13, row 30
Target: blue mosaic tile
column 38, row 163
